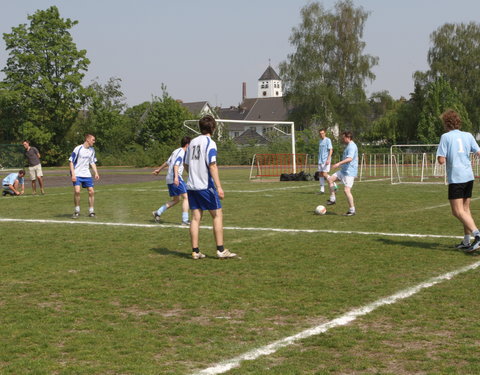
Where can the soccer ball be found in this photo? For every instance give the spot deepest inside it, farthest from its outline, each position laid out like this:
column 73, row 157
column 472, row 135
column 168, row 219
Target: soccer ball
column 320, row 210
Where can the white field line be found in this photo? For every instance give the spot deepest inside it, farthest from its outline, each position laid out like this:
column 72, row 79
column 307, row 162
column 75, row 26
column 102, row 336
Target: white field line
column 342, row 320
column 253, row 229
column 440, row 206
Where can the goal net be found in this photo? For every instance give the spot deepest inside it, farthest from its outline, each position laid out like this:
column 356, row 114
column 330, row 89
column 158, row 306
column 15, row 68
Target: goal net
column 11, row 157
column 244, row 132
column 416, row 164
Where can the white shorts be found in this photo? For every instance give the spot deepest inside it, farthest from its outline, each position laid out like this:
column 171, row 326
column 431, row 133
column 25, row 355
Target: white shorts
column 324, row 167
column 35, row 171
column 346, row 180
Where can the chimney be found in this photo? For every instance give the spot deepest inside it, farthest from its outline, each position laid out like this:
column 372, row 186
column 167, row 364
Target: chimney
column 244, row 90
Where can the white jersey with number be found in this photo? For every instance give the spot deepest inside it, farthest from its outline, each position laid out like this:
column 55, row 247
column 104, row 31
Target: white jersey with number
column 176, row 159
column 81, row 158
column 201, row 152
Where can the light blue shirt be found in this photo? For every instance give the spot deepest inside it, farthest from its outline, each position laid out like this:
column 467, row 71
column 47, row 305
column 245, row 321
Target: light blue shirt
column 10, row 179
column 324, row 147
column 351, row 168
column 456, row 147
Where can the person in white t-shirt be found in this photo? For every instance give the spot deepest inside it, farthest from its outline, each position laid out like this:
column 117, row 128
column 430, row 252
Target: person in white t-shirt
column 204, row 188
column 176, row 185
column 82, row 158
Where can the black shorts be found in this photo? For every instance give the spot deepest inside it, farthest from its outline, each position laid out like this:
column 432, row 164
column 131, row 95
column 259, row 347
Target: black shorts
column 460, row 191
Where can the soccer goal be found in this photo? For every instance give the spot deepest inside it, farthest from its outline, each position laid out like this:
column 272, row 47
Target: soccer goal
column 11, row 157
column 275, row 163
column 416, row 164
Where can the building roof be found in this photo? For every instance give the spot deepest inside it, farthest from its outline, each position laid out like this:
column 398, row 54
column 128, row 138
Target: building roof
column 195, row 107
column 269, row 74
column 250, row 136
column 268, row 109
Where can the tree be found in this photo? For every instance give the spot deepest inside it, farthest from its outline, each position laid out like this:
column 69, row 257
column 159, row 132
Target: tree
column 455, row 56
column 45, row 70
column 103, row 117
column 439, row 97
column 325, row 76
column 163, row 122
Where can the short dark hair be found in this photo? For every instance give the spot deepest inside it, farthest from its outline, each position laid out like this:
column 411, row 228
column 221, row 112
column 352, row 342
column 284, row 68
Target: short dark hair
column 451, row 119
column 207, row 124
column 22, row 172
column 185, row 141
column 26, row 141
column 348, row 134
column 88, row 135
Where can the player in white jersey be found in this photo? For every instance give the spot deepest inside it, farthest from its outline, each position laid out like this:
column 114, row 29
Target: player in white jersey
column 454, row 150
column 175, row 183
column 204, row 188
column 82, row 158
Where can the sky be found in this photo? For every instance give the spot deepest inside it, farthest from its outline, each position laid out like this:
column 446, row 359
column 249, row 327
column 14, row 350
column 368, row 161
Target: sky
column 204, row 50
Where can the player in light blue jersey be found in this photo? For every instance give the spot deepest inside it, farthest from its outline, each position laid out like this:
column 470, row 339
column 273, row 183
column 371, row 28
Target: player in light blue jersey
column 204, row 188
column 347, row 173
column 14, row 184
column 454, row 150
column 175, row 183
column 82, row 158
column 325, row 151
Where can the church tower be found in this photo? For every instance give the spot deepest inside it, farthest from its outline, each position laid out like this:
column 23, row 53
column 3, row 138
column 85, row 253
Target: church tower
column 269, row 84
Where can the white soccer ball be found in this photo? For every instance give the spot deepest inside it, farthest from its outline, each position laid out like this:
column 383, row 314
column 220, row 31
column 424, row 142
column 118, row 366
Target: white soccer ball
column 320, row 210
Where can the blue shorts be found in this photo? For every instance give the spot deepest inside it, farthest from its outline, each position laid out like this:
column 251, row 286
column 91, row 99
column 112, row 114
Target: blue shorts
column 204, row 199
column 86, row 182
column 174, row 190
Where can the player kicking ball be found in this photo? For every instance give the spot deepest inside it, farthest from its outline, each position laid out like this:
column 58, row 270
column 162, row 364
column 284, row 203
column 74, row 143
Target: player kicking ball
column 347, row 173
column 204, row 188
column 454, row 150
column 175, row 184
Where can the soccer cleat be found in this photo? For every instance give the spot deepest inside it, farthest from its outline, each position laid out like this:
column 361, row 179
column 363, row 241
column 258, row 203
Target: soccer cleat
column 225, row 254
column 330, row 203
column 186, row 222
column 350, row 213
column 156, row 216
column 4, row 193
column 198, row 255
column 474, row 246
column 91, row 214
column 462, row 246
column 76, row 215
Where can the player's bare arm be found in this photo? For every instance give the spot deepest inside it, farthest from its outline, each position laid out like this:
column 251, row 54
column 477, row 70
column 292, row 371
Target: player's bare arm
column 159, row 169
column 94, row 167
column 216, row 178
column 72, row 172
column 344, row 161
column 175, row 174
column 442, row 159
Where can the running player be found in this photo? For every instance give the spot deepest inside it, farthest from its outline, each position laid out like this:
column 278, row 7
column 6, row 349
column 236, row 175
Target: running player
column 454, row 150
column 325, row 151
column 176, row 186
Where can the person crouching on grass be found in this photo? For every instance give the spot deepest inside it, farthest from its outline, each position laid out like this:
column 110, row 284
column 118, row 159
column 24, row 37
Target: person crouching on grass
column 175, row 184
column 454, row 150
column 204, row 188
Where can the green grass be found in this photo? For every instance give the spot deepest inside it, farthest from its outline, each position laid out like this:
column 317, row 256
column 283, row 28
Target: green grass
column 85, row 299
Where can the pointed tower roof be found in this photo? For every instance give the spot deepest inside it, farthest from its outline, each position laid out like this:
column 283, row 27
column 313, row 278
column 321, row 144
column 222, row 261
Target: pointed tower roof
column 269, row 74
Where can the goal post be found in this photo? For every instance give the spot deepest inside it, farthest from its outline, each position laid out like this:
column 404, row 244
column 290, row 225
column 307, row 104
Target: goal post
column 286, row 128
column 416, row 164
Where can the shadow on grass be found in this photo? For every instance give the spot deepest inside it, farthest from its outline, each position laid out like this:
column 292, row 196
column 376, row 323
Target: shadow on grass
column 165, row 251
column 423, row 245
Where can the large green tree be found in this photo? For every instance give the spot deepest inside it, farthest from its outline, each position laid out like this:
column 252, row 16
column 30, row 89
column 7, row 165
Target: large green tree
column 45, row 69
column 455, row 55
column 162, row 122
column 325, row 76
column 439, row 97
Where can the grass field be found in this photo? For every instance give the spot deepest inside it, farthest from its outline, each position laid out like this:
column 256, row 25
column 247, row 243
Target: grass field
column 77, row 298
